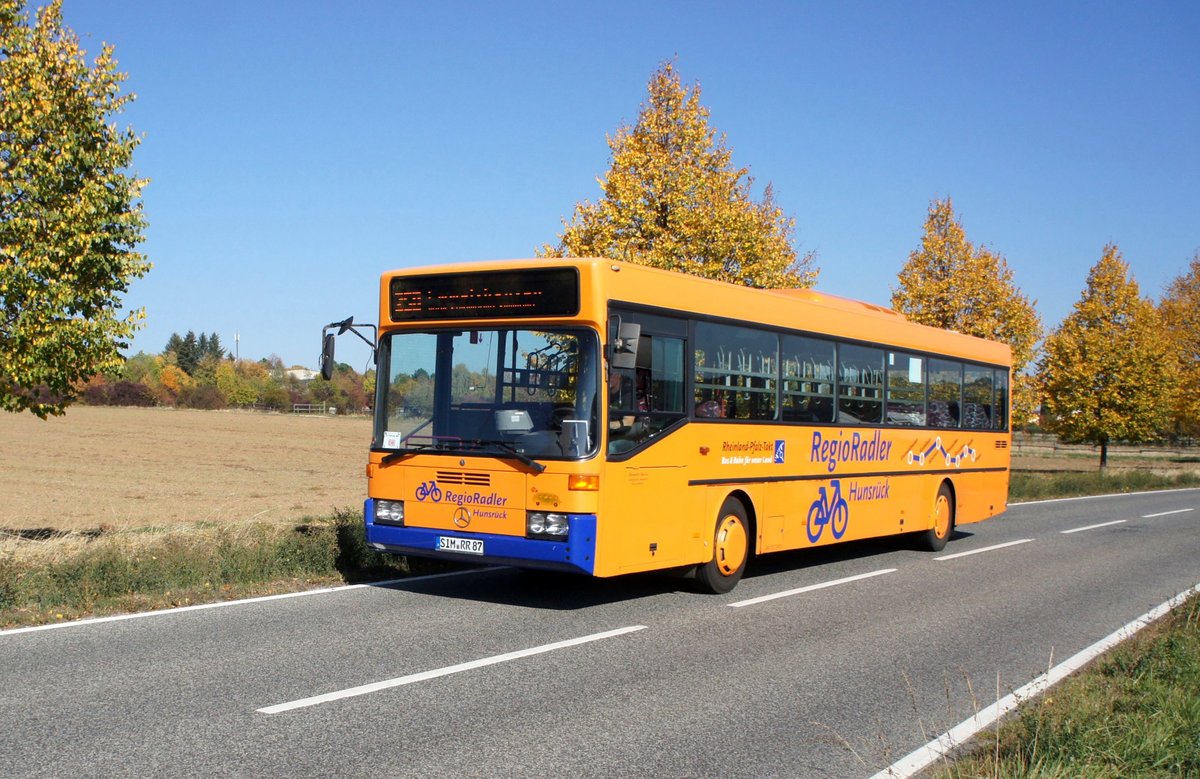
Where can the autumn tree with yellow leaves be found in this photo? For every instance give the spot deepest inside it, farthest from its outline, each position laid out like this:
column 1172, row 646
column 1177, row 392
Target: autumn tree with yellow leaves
column 673, row 199
column 1105, row 371
column 951, row 284
column 1180, row 310
column 70, row 212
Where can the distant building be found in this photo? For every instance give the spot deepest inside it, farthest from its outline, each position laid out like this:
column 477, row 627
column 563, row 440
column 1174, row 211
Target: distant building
column 302, row 375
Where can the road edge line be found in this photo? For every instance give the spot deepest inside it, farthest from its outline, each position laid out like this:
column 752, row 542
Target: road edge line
column 923, row 757
column 239, row 602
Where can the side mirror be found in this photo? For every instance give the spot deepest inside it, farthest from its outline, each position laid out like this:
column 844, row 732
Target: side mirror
column 327, row 356
column 327, row 338
column 625, row 347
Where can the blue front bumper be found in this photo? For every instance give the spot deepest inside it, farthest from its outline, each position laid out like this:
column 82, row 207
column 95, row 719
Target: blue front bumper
column 577, row 554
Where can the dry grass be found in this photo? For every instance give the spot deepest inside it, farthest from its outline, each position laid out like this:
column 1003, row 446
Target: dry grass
column 155, row 467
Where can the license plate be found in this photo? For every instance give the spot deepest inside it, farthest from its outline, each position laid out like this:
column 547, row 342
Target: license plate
column 463, row 545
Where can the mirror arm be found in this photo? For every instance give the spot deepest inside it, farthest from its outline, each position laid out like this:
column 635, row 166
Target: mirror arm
column 368, row 342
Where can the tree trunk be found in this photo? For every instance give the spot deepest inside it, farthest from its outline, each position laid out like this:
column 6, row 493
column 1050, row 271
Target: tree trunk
column 1103, row 455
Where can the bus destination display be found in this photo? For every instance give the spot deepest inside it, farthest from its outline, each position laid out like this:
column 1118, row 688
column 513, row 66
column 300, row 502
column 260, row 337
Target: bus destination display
column 491, row 294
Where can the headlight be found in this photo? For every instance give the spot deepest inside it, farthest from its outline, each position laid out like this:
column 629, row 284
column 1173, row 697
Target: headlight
column 389, row 512
column 542, row 524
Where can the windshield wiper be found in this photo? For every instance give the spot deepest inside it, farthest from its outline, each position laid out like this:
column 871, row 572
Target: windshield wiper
column 392, row 457
column 508, row 450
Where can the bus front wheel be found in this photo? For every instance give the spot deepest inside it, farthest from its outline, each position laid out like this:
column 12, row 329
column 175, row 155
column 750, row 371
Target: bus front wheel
column 731, row 549
column 934, row 539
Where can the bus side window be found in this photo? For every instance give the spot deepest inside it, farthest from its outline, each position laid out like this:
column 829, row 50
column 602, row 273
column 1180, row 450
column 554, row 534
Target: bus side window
column 945, row 393
column 648, row 398
column 977, row 397
column 860, row 384
column 738, row 368
column 1000, row 417
column 808, row 374
column 905, row 389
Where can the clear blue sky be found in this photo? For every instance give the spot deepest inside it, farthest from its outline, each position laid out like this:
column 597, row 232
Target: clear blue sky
column 297, row 149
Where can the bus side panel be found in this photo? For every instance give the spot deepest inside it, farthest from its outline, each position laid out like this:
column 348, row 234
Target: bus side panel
column 979, row 496
column 649, row 517
column 782, row 515
column 828, row 511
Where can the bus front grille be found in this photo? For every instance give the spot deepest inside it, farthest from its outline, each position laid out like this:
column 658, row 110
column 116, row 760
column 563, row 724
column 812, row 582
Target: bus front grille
column 462, row 477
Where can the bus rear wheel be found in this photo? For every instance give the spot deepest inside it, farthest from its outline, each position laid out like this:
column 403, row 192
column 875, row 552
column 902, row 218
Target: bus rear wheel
column 731, row 550
column 934, row 539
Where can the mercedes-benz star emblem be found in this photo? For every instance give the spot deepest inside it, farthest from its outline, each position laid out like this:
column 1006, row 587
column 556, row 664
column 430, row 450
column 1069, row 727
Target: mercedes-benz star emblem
column 462, row 517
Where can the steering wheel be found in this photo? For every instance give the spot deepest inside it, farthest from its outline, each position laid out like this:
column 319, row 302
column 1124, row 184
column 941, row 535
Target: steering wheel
column 559, row 415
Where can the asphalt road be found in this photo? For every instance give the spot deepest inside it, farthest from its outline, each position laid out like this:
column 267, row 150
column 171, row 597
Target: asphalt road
column 500, row 673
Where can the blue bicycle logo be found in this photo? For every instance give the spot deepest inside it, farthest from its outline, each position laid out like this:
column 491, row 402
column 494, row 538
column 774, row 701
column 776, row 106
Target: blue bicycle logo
column 430, row 490
column 832, row 510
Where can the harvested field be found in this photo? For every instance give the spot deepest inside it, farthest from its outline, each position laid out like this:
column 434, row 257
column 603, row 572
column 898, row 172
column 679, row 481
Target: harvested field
column 1119, row 462
column 1043, row 452
column 137, row 467
column 160, row 467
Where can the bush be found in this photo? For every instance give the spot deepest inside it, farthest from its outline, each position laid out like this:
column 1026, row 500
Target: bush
column 276, row 398
column 95, row 394
column 130, row 393
column 202, row 396
column 119, row 393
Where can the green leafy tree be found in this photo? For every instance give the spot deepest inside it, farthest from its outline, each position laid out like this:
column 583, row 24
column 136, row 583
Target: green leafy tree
column 1180, row 310
column 70, row 212
column 949, row 283
column 205, row 371
column 1105, row 372
column 236, row 386
column 143, row 368
column 673, row 199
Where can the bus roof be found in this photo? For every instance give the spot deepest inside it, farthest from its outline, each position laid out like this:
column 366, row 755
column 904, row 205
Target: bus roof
column 818, row 312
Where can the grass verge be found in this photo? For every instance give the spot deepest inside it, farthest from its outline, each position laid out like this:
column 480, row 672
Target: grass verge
column 1039, row 485
column 77, row 575
column 1135, row 712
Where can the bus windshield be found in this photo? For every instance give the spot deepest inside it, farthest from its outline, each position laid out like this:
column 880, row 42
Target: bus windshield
column 531, row 393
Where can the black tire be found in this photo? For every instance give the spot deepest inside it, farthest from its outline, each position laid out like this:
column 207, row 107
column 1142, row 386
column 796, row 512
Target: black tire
column 934, row 539
column 731, row 550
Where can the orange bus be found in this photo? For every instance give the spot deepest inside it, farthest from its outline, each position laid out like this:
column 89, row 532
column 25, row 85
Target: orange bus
column 605, row 418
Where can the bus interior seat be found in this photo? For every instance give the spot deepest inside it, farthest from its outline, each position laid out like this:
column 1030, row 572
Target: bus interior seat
column 941, row 414
column 975, row 416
